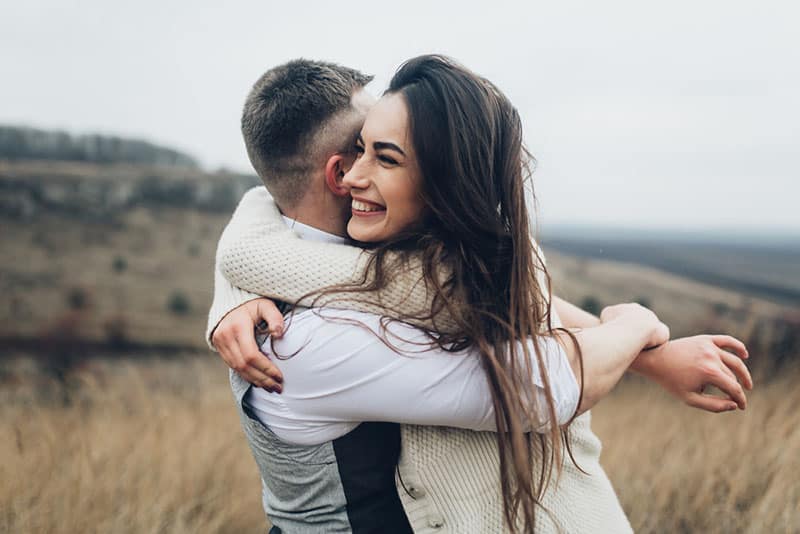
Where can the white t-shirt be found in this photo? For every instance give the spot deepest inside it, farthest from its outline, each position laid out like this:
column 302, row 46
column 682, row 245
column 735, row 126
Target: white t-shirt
column 338, row 374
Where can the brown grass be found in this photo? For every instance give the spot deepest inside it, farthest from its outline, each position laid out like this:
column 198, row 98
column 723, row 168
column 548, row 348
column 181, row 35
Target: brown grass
column 677, row 469
column 155, row 446
column 152, row 447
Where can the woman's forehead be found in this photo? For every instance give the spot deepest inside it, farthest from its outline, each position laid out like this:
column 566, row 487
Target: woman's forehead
column 387, row 120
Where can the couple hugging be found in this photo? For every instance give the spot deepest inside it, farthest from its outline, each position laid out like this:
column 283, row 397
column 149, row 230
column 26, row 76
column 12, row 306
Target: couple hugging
column 413, row 371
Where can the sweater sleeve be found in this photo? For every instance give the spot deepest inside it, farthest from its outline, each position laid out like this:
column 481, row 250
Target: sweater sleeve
column 261, row 255
column 227, row 297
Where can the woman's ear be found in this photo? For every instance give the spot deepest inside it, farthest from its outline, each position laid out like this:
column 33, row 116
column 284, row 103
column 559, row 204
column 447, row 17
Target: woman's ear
column 334, row 173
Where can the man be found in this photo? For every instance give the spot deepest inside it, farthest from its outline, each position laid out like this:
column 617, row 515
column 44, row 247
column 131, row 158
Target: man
column 299, row 123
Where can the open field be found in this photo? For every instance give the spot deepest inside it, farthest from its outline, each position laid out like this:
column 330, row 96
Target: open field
column 155, row 446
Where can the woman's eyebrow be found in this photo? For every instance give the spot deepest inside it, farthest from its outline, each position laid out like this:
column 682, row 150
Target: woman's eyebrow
column 378, row 145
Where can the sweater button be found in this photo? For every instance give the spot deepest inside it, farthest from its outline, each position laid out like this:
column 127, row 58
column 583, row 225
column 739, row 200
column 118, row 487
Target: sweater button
column 435, row 521
column 416, row 492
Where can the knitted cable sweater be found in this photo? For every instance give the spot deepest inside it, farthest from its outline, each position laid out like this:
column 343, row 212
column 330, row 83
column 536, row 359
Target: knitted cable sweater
column 448, row 479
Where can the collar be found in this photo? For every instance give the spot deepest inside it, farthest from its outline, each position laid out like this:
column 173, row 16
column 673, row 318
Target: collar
column 312, row 234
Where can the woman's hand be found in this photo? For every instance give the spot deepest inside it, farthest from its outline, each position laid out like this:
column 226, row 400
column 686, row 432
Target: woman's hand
column 235, row 340
column 636, row 314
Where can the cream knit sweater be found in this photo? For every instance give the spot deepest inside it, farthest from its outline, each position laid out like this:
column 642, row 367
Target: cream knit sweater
column 447, row 478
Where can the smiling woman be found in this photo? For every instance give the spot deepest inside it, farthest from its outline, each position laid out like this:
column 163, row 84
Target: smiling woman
column 385, row 179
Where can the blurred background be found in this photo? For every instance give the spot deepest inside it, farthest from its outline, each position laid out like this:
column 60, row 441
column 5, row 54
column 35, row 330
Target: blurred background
column 668, row 162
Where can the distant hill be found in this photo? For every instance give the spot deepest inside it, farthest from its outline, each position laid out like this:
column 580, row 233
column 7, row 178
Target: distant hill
column 23, row 143
column 764, row 266
column 105, row 191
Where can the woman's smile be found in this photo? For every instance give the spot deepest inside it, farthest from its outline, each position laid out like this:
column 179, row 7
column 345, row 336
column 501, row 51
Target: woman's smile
column 366, row 208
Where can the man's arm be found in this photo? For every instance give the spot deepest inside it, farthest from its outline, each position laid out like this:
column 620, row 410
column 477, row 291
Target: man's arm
column 684, row 366
column 338, row 370
column 607, row 352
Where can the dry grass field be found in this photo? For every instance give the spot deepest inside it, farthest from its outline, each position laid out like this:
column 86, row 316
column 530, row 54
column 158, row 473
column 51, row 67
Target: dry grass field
column 679, row 470
column 125, row 447
column 154, row 446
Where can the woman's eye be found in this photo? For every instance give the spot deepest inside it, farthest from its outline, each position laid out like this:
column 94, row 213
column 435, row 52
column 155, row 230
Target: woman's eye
column 387, row 159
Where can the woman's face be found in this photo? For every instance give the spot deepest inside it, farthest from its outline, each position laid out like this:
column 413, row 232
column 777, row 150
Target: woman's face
column 385, row 178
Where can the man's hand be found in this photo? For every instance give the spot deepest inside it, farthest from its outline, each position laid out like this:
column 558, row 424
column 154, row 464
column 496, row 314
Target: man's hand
column 235, row 339
column 687, row 366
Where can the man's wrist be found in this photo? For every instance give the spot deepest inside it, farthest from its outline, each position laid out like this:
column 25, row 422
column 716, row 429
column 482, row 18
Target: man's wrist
column 647, row 362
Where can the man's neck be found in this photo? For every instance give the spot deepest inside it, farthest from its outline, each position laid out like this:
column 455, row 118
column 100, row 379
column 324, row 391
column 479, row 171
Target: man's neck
column 325, row 215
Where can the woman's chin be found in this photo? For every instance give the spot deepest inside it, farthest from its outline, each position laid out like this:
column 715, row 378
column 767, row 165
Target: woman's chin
column 363, row 231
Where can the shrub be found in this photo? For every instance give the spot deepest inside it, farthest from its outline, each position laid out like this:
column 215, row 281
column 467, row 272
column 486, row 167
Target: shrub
column 116, row 331
column 119, row 265
column 179, row 304
column 77, row 298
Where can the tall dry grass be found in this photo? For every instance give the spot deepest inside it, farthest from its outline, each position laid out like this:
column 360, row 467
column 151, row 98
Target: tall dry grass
column 155, row 447
column 138, row 448
column 679, row 470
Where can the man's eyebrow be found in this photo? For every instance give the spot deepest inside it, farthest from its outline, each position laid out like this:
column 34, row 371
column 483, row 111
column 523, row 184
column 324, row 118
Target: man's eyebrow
column 391, row 146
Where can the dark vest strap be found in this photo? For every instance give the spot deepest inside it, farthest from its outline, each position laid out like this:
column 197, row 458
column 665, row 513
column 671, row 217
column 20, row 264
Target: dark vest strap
column 367, row 457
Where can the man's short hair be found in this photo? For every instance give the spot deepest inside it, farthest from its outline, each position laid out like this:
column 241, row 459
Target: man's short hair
column 286, row 109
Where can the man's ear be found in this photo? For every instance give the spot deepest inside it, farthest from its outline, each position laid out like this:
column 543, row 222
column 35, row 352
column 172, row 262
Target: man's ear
column 335, row 168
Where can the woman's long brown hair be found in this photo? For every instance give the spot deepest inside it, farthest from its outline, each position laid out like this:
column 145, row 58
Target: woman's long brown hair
column 474, row 166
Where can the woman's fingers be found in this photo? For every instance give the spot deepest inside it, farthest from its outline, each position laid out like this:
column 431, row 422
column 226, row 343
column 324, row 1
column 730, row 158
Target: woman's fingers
column 257, row 368
column 723, row 341
column 709, row 403
column 738, row 367
column 269, row 312
column 243, row 365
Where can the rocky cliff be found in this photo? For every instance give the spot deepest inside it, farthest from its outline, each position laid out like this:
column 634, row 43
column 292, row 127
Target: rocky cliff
column 23, row 143
column 101, row 191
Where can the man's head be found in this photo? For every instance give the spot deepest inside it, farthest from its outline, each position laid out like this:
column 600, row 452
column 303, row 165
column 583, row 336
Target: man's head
column 297, row 116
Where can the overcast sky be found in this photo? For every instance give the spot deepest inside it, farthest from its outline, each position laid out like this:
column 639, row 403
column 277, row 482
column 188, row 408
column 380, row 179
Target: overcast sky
column 671, row 114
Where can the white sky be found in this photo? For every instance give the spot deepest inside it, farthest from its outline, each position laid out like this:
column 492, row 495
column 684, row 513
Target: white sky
column 676, row 114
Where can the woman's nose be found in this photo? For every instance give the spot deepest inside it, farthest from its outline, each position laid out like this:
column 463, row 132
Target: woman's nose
column 355, row 178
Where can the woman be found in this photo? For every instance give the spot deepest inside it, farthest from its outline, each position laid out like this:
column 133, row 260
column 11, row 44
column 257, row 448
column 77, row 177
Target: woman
column 439, row 180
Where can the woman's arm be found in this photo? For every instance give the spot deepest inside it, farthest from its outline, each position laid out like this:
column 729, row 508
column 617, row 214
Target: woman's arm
column 260, row 254
column 609, row 348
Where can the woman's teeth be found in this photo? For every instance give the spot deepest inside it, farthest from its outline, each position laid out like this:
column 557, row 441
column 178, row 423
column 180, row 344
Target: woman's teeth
column 363, row 206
